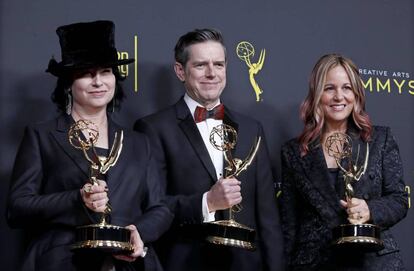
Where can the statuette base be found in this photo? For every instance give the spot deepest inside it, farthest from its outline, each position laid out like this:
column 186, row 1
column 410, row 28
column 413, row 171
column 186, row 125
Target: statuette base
column 365, row 237
column 230, row 233
column 109, row 238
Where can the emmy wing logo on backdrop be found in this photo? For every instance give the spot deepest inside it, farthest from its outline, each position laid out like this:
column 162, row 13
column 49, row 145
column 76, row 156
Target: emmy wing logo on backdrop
column 245, row 51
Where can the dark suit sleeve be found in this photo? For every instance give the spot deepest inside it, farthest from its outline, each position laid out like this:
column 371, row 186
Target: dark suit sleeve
column 392, row 206
column 27, row 206
column 267, row 215
column 288, row 202
column 186, row 208
column 156, row 218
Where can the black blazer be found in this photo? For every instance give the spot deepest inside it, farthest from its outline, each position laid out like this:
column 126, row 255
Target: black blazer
column 45, row 200
column 188, row 172
column 311, row 209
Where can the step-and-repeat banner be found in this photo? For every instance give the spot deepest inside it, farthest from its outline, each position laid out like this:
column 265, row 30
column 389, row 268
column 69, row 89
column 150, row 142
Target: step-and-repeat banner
column 272, row 46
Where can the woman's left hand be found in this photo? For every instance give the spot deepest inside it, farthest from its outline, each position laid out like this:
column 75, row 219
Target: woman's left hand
column 358, row 211
column 136, row 241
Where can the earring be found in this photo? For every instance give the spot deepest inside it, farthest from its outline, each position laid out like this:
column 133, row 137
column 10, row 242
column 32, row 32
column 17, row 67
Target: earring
column 113, row 101
column 113, row 105
column 68, row 102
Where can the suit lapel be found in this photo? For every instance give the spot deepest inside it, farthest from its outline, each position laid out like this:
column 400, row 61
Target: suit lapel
column 230, row 120
column 359, row 150
column 61, row 136
column 315, row 167
column 188, row 126
column 113, row 175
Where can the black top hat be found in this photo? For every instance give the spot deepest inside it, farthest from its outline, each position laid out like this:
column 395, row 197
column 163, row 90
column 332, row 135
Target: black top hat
column 86, row 45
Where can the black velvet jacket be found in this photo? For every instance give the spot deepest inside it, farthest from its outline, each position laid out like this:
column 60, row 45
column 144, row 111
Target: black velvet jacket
column 45, row 200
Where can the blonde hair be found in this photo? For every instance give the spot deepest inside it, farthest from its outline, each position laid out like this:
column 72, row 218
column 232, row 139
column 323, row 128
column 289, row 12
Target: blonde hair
column 311, row 111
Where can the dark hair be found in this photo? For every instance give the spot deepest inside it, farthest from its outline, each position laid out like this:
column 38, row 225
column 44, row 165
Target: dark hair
column 64, row 82
column 193, row 37
column 311, row 111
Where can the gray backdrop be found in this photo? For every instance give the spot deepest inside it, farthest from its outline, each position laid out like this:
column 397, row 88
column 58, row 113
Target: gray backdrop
column 377, row 34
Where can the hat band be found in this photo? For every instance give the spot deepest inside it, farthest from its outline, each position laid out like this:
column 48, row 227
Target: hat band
column 89, row 58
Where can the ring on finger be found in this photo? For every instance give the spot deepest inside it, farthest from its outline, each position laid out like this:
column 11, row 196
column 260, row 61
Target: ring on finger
column 87, row 188
column 144, row 252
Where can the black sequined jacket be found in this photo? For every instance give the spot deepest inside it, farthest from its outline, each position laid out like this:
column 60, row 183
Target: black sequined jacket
column 310, row 206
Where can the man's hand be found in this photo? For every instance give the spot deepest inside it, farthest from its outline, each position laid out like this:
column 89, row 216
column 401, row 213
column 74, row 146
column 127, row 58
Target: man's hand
column 224, row 194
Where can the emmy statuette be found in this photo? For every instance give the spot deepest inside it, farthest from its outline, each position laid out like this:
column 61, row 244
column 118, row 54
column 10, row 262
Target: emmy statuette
column 229, row 232
column 104, row 236
column 364, row 237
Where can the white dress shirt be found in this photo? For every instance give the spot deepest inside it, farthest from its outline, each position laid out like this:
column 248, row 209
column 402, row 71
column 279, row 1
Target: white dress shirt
column 205, row 127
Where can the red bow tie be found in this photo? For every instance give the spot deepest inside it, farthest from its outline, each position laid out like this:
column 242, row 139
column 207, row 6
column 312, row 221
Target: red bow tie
column 201, row 114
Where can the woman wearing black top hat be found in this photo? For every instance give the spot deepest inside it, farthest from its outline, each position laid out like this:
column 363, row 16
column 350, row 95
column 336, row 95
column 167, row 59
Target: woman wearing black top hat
column 51, row 194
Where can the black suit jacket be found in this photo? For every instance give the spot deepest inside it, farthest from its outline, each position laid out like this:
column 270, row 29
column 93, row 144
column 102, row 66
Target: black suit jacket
column 311, row 209
column 44, row 194
column 188, row 172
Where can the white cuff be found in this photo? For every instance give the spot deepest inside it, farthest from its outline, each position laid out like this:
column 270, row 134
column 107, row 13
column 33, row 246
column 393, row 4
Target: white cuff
column 207, row 215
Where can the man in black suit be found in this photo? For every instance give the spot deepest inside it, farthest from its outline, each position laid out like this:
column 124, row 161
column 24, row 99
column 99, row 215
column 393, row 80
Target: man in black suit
column 192, row 168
